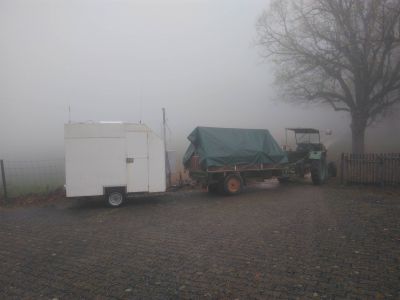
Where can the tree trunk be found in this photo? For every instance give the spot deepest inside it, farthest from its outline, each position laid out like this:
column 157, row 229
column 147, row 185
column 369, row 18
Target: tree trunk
column 358, row 127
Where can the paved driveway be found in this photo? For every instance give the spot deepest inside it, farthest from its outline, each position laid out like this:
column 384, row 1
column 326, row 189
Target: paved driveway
column 292, row 241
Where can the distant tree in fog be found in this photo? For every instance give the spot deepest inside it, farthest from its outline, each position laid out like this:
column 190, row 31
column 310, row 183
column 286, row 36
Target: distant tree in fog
column 345, row 53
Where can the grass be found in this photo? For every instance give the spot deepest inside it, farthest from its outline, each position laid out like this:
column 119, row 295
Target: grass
column 26, row 188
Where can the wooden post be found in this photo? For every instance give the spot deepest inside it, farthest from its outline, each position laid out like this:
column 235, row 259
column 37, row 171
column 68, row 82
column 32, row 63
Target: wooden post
column 382, row 171
column 350, row 168
column 342, row 169
column 167, row 166
column 3, row 176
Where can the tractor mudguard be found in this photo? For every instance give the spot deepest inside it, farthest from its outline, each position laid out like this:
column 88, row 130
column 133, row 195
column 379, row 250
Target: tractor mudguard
column 316, row 155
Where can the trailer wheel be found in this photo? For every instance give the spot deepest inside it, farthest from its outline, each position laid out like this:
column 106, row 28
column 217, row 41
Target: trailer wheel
column 233, row 184
column 115, row 197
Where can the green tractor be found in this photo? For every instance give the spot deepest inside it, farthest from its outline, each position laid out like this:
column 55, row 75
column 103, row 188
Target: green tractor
column 309, row 155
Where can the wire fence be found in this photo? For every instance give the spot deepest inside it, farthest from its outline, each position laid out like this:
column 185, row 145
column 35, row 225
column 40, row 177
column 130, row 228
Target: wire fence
column 31, row 177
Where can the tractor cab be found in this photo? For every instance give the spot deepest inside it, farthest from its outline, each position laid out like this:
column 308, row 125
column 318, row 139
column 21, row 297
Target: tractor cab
column 307, row 139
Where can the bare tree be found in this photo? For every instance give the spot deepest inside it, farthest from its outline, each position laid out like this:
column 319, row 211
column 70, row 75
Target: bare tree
column 345, row 53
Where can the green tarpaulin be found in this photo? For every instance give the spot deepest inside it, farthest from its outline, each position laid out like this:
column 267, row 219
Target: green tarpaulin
column 233, row 146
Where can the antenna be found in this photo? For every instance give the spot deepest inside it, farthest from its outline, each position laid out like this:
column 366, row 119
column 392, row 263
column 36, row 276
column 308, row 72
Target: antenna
column 141, row 104
column 69, row 114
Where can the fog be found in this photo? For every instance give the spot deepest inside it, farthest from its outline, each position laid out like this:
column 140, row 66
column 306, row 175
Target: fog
column 125, row 60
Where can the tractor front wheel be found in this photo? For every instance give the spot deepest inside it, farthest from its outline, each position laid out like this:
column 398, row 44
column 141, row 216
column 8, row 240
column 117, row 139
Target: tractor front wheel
column 300, row 170
column 283, row 179
column 318, row 172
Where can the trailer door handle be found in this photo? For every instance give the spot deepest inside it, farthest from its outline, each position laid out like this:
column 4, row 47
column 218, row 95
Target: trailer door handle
column 129, row 160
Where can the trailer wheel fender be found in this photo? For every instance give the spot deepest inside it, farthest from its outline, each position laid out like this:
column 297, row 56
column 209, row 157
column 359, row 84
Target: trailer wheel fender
column 233, row 184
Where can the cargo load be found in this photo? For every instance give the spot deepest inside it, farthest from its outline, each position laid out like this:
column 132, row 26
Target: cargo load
column 218, row 147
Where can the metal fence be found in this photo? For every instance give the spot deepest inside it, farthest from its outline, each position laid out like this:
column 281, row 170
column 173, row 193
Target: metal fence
column 370, row 168
column 20, row 178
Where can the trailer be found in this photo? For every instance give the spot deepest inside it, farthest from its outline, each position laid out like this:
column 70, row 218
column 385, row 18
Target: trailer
column 225, row 159
column 113, row 160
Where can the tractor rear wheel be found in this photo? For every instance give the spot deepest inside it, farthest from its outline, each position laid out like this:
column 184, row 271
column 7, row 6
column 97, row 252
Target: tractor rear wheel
column 318, row 172
column 233, row 184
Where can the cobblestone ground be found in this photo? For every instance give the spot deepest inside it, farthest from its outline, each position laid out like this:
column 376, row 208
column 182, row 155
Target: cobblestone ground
column 292, row 241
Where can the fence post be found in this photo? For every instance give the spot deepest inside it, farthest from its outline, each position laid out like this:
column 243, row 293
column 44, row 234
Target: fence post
column 381, row 171
column 342, row 169
column 3, row 176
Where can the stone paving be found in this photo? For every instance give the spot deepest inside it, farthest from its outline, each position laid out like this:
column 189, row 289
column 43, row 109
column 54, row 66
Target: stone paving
column 294, row 241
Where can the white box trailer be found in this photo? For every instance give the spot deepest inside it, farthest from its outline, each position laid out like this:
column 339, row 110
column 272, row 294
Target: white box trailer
column 113, row 159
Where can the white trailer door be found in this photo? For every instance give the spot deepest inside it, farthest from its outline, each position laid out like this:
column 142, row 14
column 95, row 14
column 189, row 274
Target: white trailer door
column 137, row 162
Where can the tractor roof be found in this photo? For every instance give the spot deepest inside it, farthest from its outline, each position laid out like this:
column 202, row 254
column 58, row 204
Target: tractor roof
column 303, row 130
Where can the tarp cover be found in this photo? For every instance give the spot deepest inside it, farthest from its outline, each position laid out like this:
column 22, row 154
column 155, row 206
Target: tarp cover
column 233, row 146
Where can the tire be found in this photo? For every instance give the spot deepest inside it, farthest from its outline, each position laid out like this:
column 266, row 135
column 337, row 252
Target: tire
column 332, row 169
column 115, row 197
column 233, row 184
column 212, row 188
column 318, row 172
column 300, row 170
column 283, row 179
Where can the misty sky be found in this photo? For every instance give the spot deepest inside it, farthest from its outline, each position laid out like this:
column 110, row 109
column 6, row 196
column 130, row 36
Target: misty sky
column 120, row 60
